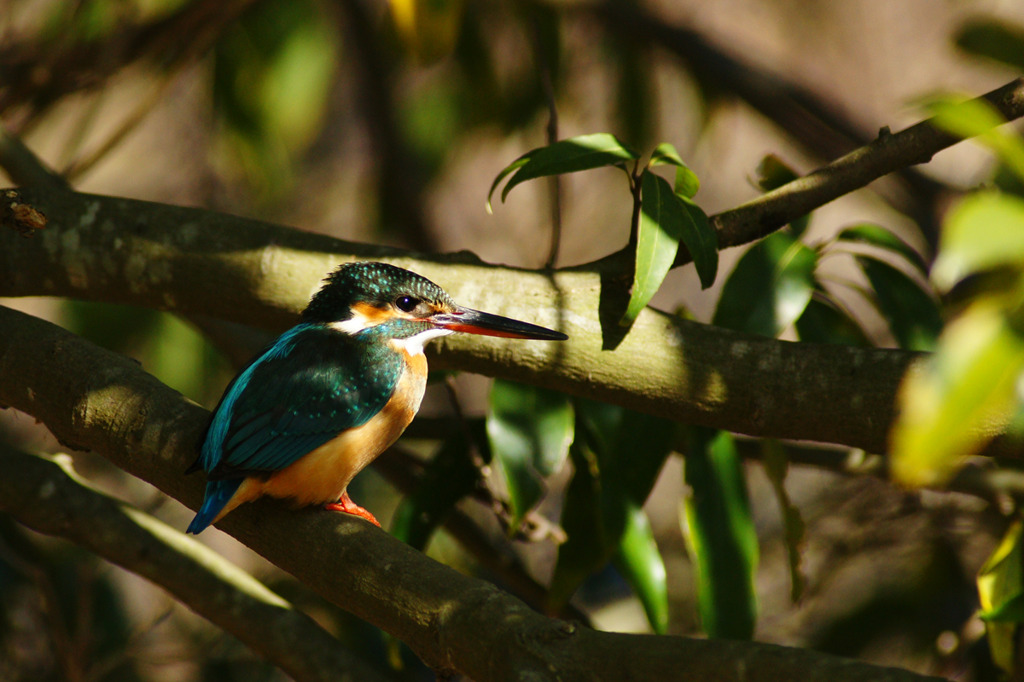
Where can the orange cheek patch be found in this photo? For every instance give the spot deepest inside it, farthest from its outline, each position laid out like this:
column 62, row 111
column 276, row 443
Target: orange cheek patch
column 371, row 313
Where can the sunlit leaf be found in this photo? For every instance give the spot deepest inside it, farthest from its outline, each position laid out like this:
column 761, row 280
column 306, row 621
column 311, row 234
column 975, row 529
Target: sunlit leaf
column 984, row 231
column 1011, row 611
column 687, row 183
column 980, row 120
column 769, row 288
column 428, row 28
column 529, row 430
column 1000, row 586
column 876, row 235
column 720, row 535
column 658, row 235
column 823, row 322
column 565, row 156
column 994, row 39
column 953, row 404
column 640, row 563
column 776, row 466
column 617, row 455
column 912, row 314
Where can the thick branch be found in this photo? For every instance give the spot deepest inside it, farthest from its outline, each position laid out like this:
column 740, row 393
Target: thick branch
column 45, row 496
column 194, row 261
column 199, row 262
column 98, row 400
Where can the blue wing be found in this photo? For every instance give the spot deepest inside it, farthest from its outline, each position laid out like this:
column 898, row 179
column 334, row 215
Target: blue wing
column 313, row 383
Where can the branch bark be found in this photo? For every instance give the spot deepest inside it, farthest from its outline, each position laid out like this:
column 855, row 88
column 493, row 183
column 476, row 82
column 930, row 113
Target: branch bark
column 47, row 497
column 94, row 399
column 198, row 262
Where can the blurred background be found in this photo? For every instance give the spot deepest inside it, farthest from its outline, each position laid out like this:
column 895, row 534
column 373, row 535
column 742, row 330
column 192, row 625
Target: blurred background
column 387, row 123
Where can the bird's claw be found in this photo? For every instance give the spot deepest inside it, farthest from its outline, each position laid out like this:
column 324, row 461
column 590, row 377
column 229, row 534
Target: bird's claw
column 345, row 504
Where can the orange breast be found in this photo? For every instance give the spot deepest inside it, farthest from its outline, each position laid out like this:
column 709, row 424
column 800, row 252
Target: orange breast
column 322, row 475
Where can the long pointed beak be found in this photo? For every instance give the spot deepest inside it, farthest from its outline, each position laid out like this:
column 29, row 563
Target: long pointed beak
column 478, row 322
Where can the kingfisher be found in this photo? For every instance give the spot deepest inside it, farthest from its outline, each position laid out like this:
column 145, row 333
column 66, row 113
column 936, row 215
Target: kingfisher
column 334, row 391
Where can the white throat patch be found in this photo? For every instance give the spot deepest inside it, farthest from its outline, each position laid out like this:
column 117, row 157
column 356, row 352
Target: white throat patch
column 413, row 345
column 353, row 325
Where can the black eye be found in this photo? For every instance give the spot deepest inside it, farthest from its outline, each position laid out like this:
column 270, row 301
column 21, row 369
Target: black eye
column 406, row 303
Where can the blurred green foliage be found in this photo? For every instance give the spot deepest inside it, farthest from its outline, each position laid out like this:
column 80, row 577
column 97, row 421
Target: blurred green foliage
column 272, row 77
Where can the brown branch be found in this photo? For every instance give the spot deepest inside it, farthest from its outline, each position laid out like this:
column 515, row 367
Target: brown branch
column 198, row 262
column 887, row 153
column 99, row 400
column 247, row 271
column 48, row 497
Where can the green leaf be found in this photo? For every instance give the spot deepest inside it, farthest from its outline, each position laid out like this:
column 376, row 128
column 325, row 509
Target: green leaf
column 617, row 455
column 983, row 232
column 954, row 403
column 776, row 466
column 823, row 322
column 658, row 235
column 447, row 478
column 769, row 288
column 666, row 218
column 1011, row 611
column 720, row 535
column 529, row 430
column 1000, row 589
column 876, row 235
column 773, row 173
column 565, row 156
column 912, row 314
column 687, row 182
column 639, row 561
column 993, row 39
column 700, row 240
column 980, row 120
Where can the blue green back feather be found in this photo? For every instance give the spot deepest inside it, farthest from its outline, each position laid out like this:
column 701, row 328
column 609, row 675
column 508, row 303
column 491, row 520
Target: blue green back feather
column 313, row 383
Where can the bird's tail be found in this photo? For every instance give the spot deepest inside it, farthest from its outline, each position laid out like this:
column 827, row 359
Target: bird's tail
column 217, row 495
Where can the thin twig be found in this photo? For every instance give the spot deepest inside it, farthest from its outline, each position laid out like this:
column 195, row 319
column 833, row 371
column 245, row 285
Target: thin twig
column 24, row 167
column 555, row 181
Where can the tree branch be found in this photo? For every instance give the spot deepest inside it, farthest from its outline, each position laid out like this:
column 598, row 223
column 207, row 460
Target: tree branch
column 887, row 153
column 198, row 262
column 48, row 497
column 98, row 400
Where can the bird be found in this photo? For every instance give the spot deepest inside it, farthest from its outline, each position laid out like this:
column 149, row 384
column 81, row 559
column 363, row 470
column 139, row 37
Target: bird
column 333, row 392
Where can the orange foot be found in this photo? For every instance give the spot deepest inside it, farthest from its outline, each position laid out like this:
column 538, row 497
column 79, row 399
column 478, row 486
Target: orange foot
column 345, row 504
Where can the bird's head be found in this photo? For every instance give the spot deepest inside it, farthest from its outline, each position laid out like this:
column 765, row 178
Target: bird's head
column 393, row 303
